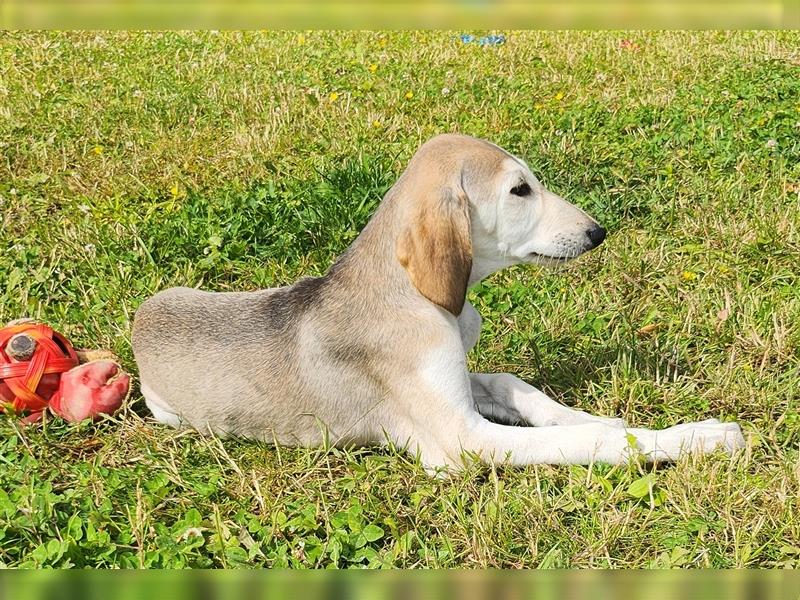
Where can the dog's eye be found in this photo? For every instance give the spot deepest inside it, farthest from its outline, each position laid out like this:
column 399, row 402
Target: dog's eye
column 523, row 189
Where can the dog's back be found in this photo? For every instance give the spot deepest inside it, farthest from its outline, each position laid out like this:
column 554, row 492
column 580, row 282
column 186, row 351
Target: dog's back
column 236, row 363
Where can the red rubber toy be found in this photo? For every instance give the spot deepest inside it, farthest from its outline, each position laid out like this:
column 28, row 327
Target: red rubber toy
column 91, row 389
column 39, row 368
column 32, row 359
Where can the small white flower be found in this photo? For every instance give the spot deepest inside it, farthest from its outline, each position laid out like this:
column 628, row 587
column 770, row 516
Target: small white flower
column 190, row 533
column 445, row 91
column 89, row 248
column 601, row 77
column 772, row 144
column 84, row 208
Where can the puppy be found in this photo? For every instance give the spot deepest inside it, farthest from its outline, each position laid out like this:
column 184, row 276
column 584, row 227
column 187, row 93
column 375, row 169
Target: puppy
column 374, row 351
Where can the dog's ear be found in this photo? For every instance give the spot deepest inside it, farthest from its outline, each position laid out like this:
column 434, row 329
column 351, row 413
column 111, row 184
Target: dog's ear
column 436, row 248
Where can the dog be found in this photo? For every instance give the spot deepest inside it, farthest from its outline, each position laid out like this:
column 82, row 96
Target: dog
column 374, row 351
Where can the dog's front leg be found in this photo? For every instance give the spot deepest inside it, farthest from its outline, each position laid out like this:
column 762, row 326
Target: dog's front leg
column 434, row 414
column 445, row 425
column 446, row 431
column 441, row 438
column 596, row 442
column 503, row 394
column 441, row 427
column 494, row 406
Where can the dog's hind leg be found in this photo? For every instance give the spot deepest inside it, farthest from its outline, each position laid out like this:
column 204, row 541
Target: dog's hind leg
column 158, row 407
column 512, row 396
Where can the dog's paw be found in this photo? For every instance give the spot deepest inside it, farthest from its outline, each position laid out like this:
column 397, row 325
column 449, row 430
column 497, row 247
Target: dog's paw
column 702, row 437
column 705, row 437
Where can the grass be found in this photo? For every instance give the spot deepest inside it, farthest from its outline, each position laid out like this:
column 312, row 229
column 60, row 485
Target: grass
column 133, row 162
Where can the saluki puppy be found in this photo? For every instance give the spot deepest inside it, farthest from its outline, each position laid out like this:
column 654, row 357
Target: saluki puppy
column 374, row 351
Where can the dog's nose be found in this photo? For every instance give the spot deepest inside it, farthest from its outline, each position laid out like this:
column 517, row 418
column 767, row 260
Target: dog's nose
column 596, row 235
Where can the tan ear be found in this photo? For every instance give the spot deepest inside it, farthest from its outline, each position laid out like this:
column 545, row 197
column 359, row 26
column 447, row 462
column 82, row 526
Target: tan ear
column 436, row 248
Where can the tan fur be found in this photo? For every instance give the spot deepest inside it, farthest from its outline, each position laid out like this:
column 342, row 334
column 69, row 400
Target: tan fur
column 436, row 248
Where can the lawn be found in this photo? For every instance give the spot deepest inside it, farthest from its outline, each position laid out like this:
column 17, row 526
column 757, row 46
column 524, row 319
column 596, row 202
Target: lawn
column 234, row 161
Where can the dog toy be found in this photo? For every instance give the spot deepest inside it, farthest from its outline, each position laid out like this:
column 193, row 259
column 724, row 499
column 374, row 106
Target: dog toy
column 39, row 368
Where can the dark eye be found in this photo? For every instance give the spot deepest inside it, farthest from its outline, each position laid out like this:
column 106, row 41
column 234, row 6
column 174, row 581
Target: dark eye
column 523, row 189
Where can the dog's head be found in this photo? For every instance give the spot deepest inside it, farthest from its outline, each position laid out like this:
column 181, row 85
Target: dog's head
column 474, row 209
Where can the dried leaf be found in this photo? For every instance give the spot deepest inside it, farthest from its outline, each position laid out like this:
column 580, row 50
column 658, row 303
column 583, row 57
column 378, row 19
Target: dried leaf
column 647, row 329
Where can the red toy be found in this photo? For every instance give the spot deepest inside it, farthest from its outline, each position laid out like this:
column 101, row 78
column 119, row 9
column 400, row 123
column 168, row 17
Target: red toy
column 40, row 368
column 95, row 388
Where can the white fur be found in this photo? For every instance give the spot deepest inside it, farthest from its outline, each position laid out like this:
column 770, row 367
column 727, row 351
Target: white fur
column 156, row 406
column 540, row 228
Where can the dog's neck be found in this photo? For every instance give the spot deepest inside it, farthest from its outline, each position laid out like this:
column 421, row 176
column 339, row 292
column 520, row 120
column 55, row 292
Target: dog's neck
column 483, row 267
column 374, row 251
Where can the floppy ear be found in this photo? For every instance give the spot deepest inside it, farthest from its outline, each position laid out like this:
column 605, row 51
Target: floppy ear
column 436, row 248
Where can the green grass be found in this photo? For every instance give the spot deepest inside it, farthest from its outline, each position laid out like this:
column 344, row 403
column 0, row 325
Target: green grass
column 129, row 163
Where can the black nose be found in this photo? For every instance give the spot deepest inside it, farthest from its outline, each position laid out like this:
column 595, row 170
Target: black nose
column 596, row 235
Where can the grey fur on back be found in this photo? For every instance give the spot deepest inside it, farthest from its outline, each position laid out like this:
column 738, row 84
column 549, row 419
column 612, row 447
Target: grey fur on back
column 290, row 364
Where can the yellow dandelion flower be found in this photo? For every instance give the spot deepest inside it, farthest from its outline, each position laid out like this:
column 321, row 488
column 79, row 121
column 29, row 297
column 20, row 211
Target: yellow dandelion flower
column 376, row 123
column 538, row 106
column 409, row 95
column 97, row 149
column 383, row 42
column 688, row 276
column 174, row 191
column 333, row 97
column 301, row 39
column 559, row 96
column 373, row 67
